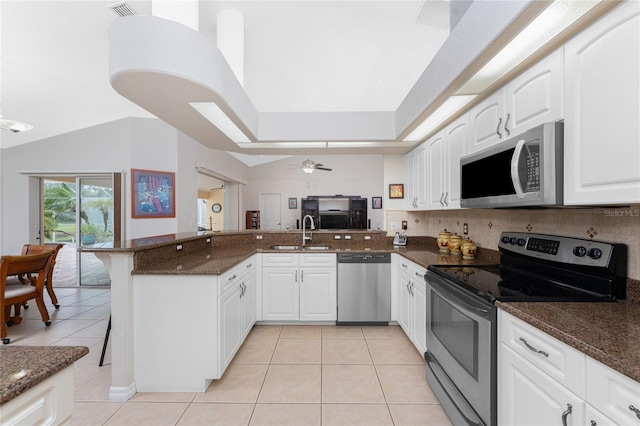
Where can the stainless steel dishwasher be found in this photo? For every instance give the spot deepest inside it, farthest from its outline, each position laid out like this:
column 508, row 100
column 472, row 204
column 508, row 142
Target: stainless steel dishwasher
column 364, row 288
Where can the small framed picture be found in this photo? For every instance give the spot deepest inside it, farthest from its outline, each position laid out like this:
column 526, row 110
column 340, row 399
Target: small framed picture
column 396, row 190
column 293, row 203
column 376, row 202
column 152, row 194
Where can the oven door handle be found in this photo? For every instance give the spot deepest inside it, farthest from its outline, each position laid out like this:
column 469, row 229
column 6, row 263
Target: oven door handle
column 458, row 296
column 460, row 404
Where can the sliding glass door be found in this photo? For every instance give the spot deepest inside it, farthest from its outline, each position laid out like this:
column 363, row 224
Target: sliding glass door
column 81, row 211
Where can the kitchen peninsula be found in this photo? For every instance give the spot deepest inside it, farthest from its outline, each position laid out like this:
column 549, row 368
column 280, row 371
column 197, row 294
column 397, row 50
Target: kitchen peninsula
column 178, row 282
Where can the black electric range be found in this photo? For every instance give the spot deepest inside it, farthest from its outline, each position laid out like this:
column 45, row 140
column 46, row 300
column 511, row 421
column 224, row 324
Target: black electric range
column 545, row 268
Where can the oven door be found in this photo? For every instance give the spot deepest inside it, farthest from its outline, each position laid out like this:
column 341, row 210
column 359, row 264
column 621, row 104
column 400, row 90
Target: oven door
column 461, row 355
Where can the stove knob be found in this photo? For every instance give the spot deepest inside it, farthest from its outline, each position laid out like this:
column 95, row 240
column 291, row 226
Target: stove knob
column 521, row 242
column 579, row 251
column 505, row 240
column 513, row 240
column 595, row 253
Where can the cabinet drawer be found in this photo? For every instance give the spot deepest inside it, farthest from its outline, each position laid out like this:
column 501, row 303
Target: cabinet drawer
column 417, row 273
column 229, row 279
column 612, row 393
column 560, row 361
column 318, row 259
column 596, row 418
column 280, row 259
column 247, row 265
column 405, row 265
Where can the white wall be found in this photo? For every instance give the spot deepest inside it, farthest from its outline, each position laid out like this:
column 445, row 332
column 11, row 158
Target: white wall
column 139, row 143
column 361, row 175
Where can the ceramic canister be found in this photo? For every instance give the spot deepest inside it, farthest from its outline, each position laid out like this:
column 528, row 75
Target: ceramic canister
column 454, row 244
column 443, row 241
column 468, row 249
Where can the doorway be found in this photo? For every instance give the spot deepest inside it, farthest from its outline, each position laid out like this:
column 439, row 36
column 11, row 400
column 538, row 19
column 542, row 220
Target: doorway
column 80, row 211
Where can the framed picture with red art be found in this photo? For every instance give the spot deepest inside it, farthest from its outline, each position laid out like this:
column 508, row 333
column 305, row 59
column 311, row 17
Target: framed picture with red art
column 152, row 194
column 396, row 190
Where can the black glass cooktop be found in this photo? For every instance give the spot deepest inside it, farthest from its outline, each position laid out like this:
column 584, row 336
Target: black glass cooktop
column 494, row 282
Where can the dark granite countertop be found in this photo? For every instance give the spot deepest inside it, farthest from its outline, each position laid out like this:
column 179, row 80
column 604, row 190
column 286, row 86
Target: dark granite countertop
column 23, row 367
column 607, row 332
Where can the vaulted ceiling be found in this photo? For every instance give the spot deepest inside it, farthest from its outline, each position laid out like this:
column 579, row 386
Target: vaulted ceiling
column 299, row 57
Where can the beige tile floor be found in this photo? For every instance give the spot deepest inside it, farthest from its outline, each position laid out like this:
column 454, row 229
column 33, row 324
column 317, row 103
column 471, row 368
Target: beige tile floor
column 282, row 375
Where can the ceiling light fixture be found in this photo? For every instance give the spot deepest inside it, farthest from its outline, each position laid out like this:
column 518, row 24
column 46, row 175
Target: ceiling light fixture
column 308, row 166
column 14, row 126
column 218, row 118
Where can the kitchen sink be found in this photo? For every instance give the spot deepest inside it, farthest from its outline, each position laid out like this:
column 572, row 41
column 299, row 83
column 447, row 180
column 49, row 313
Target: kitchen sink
column 319, row 248
column 285, row 247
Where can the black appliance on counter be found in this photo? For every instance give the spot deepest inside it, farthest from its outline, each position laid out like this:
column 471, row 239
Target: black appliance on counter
column 462, row 317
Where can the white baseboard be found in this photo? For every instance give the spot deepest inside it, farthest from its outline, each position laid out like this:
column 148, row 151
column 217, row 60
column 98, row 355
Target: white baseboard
column 122, row 393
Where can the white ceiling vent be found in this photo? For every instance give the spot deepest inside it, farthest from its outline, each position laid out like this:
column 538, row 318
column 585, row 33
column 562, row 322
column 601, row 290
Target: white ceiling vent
column 122, row 9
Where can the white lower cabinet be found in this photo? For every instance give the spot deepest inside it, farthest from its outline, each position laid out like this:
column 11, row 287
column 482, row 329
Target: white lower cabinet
column 207, row 335
column 413, row 303
column 543, row 381
column 302, row 287
column 528, row 396
column 237, row 314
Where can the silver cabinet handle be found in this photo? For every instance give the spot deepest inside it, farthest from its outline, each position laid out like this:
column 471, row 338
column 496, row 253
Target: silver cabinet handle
column 404, row 265
column 566, row 414
column 538, row 351
column 249, row 265
column 441, row 197
column 296, row 279
column 506, row 123
column 593, row 423
column 301, row 276
column 635, row 410
column 419, row 275
column 498, row 128
column 446, row 195
column 411, row 288
column 233, row 277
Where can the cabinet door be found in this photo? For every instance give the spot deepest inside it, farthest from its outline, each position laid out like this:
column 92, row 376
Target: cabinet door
column 456, row 136
column 526, row 396
column 601, row 134
column 405, row 304
column 436, row 167
column 536, row 96
column 487, row 119
column 229, row 326
column 248, row 303
column 280, row 294
column 419, row 317
column 409, row 180
column 318, row 300
column 421, row 176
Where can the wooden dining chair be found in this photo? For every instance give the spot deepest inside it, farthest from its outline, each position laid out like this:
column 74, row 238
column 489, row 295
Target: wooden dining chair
column 35, row 268
column 41, row 248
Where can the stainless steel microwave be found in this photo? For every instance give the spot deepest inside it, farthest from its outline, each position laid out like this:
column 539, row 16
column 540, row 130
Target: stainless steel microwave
column 523, row 171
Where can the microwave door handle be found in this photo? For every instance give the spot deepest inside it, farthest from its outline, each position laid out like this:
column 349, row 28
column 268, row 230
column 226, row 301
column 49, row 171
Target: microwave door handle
column 515, row 177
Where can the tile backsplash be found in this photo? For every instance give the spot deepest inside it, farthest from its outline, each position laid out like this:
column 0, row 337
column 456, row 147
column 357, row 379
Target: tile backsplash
column 610, row 224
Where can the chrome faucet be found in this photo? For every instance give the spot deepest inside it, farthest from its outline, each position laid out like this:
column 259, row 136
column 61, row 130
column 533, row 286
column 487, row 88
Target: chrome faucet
column 304, row 222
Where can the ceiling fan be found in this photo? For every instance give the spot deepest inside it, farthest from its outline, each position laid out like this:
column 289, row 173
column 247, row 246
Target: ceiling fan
column 309, row 166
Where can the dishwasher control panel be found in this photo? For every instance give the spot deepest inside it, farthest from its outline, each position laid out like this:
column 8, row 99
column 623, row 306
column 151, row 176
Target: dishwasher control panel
column 364, row 258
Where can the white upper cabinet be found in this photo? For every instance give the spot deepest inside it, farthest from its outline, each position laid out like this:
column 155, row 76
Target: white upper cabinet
column 532, row 98
column 486, row 122
column 602, row 92
column 443, row 165
column 416, row 178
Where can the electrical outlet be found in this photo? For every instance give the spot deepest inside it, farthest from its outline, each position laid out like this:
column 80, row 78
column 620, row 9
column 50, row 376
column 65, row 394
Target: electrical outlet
column 337, row 237
column 394, row 225
column 178, row 247
column 404, row 225
column 258, row 237
column 465, row 228
column 208, row 240
column 347, row 237
column 367, row 237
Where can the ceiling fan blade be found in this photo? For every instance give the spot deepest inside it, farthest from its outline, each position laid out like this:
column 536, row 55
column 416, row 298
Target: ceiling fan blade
column 323, row 168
